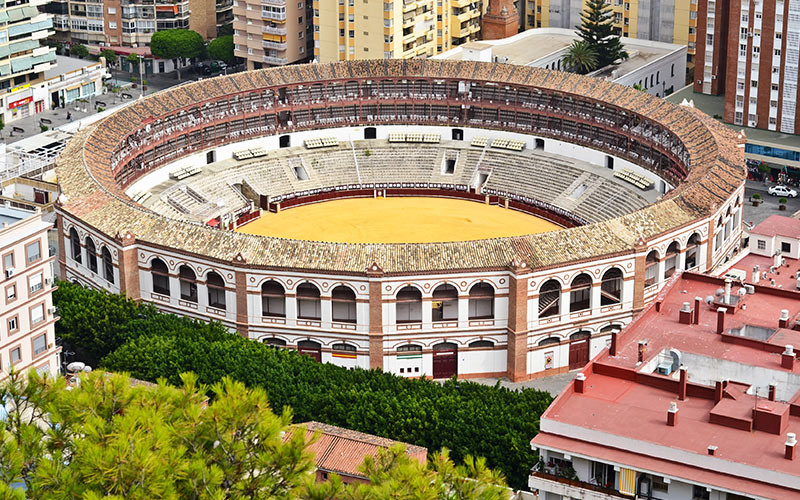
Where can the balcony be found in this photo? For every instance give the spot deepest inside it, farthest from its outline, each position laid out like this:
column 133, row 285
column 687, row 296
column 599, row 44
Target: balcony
column 275, row 16
column 273, row 45
column 570, row 488
column 274, row 30
column 279, row 3
column 276, row 60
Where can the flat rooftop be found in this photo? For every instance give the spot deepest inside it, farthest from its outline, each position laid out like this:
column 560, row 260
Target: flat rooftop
column 621, row 415
column 10, row 215
column 66, row 64
column 530, row 46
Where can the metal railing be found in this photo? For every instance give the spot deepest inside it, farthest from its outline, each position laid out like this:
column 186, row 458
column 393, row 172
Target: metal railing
column 578, row 484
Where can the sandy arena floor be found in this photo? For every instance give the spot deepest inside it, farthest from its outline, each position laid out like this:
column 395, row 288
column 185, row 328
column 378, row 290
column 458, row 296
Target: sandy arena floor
column 397, row 220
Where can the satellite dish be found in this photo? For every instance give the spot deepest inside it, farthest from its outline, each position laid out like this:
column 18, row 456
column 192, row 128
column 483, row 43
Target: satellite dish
column 710, row 299
column 76, row 366
column 720, row 292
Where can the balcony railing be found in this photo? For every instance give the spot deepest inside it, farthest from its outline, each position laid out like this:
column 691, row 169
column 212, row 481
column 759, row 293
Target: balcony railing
column 578, row 484
column 274, row 31
column 274, row 45
column 279, row 3
column 277, row 16
column 275, row 60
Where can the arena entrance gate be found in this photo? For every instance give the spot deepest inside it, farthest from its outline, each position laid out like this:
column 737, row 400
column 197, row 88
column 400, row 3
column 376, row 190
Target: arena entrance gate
column 578, row 349
column 311, row 349
column 445, row 360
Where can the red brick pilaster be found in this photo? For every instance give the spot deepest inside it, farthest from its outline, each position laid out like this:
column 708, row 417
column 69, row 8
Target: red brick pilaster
column 639, row 265
column 517, row 331
column 374, row 274
column 129, row 267
column 242, row 319
column 62, row 250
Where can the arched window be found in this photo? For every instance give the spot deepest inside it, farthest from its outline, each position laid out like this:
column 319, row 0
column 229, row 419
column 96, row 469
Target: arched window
column 75, row 245
column 274, row 342
column 549, row 341
column 188, row 283
column 610, row 328
column 91, row 255
column 108, row 265
column 409, row 305
column 216, row 290
column 273, row 300
column 580, row 294
column 445, row 303
column 583, row 334
column 445, row 346
column 409, row 349
column 481, row 301
column 308, row 303
column 481, row 344
column 692, row 248
column 671, row 259
column 651, row 268
column 611, row 287
column 549, row 299
column 344, row 304
column 160, row 276
column 343, row 348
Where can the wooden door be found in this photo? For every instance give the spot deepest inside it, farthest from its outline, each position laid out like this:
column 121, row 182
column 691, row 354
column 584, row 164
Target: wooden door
column 445, row 360
column 310, row 349
column 578, row 353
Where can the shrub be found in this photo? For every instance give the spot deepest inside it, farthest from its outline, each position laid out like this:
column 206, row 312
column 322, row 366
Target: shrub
column 468, row 418
column 44, row 128
column 756, row 196
column 782, row 201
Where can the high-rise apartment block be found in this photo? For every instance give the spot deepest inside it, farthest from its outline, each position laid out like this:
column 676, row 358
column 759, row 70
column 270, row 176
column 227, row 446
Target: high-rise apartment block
column 277, row 32
column 355, row 29
column 272, row 32
column 23, row 58
column 671, row 21
column 751, row 54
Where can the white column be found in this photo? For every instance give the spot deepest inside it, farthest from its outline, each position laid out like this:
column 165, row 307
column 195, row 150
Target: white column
column 326, row 311
column 463, row 311
column 596, row 296
column 291, row 309
column 563, row 307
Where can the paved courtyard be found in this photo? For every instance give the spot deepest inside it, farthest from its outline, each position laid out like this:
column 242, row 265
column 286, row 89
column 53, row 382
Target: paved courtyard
column 553, row 384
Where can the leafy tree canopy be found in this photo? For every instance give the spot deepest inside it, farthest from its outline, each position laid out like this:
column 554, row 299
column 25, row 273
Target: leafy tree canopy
column 108, row 438
column 79, row 50
column 110, row 56
column 172, row 44
column 467, row 418
column 221, row 49
column 598, row 31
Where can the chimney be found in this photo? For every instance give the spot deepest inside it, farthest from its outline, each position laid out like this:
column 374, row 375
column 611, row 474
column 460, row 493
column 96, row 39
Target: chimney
column 787, row 358
column 776, row 259
column 791, row 444
column 784, row 319
column 721, row 319
column 771, row 392
column 672, row 414
column 612, row 349
column 580, row 379
column 696, row 316
column 756, row 274
column 685, row 314
column 718, row 392
column 728, row 291
column 712, row 449
column 682, row 384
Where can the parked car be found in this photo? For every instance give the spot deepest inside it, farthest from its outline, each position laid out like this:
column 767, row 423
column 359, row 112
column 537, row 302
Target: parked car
column 781, row 190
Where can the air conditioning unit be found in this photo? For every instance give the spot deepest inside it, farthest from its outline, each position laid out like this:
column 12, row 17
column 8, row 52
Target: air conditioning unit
column 52, row 311
column 9, row 272
column 713, row 77
column 47, row 281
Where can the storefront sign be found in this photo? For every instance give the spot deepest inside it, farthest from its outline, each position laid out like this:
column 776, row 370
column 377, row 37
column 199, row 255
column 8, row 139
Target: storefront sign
column 21, row 102
column 21, row 87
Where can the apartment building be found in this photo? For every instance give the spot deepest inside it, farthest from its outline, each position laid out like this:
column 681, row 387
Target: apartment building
column 272, row 32
column 23, row 59
column 671, row 21
column 697, row 399
column 400, row 29
column 27, row 315
column 751, row 55
column 129, row 24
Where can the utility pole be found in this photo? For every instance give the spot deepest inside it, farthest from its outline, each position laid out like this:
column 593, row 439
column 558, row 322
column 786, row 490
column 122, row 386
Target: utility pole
column 141, row 78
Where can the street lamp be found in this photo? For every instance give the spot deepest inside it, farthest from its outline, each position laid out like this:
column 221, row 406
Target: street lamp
column 141, row 78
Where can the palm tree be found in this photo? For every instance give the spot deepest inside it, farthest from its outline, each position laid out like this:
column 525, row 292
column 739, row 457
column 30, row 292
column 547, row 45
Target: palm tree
column 581, row 57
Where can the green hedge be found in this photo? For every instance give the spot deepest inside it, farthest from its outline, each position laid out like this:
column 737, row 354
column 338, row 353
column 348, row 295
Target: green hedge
column 465, row 417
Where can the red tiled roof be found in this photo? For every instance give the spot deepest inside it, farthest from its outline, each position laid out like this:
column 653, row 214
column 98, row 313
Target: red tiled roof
column 343, row 451
column 778, row 225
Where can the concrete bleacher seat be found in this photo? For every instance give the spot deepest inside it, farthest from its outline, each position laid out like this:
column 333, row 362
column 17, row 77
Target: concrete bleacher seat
column 479, row 141
column 632, row 177
column 397, row 137
column 184, row 172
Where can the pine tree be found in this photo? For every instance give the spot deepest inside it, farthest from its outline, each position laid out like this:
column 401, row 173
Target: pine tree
column 598, row 31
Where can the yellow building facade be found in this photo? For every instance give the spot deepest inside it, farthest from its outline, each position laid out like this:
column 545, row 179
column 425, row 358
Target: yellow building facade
column 672, row 21
column 358, row 29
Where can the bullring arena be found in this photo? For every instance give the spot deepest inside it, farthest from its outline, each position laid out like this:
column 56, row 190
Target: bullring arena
column 427, row 218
